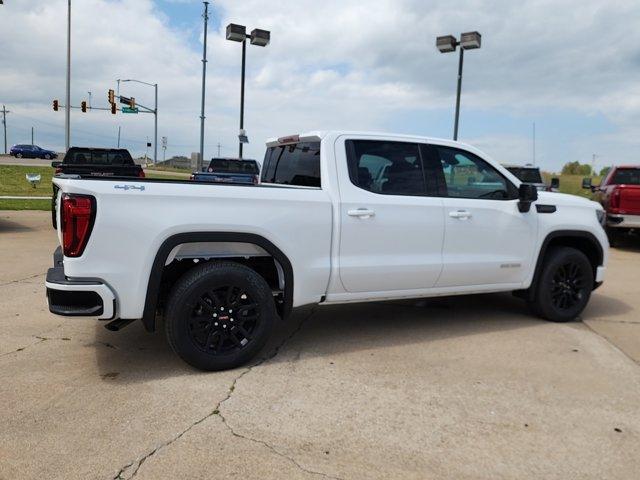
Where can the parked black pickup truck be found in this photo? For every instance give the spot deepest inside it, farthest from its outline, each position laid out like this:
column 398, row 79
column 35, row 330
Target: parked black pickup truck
column 98, row 162
column 94, row 162
column 229, row 170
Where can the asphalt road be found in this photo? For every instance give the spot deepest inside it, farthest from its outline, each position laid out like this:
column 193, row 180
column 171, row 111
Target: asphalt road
column 28, row 162
column 460, row 388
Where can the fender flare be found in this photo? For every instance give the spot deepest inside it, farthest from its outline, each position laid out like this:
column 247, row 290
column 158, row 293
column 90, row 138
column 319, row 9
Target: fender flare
column 153, row 286
column 581, row 234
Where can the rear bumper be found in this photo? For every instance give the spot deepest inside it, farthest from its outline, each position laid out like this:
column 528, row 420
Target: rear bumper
column 77, row 297
column 623, row 221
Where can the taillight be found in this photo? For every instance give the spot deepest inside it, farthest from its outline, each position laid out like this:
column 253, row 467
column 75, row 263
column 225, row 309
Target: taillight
column 141, row 174
column 58, row 170
column 77, row 216
column 614, row 200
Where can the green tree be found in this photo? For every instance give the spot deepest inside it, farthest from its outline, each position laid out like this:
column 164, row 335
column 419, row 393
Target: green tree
column 576, row 168
column 605, row 171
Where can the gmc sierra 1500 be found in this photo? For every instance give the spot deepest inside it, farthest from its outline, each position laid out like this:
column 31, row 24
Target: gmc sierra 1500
column 338, row 217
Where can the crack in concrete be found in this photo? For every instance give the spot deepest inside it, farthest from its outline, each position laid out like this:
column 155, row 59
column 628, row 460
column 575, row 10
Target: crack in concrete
column 134, row 466
column 39, row 339
column 21, row 280
column 605, row 320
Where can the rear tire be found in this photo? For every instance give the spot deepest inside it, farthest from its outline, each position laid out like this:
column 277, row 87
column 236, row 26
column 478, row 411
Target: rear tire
column 564, row 286
column 219, row 315
column 18, row 155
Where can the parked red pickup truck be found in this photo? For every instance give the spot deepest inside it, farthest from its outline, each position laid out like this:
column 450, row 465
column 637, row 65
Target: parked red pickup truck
column 619, row 194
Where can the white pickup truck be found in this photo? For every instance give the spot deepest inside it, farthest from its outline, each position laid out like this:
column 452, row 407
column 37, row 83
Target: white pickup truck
column 338, row 217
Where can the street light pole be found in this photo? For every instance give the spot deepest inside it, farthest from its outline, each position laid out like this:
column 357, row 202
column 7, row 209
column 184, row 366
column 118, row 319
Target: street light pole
column 459, row 91
column 244, row 57
column 261, row 38
column 204, row 82
column 449, row 43
column 67, row 108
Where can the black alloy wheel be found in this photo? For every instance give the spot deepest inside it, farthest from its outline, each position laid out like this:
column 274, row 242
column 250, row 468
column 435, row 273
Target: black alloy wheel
column 223, row 320
column 219, row 315
column 564, row 285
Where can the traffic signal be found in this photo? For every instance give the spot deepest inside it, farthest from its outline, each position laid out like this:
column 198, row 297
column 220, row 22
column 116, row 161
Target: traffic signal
column 113, row 108
column 55, row 105
column 112, row 97
column 132, row 103
column 83, row 106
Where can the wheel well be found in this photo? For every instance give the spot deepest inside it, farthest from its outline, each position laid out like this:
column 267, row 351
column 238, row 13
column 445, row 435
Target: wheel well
column 583, row 241
column 182, row 252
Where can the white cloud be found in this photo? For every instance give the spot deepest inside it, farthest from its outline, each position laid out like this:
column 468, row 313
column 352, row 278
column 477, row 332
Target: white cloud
column 331, row 64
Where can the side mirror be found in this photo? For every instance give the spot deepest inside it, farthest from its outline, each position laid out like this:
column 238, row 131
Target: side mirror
column 56, row 164
column 586, row 183
column 527, row 194
column 555, row 183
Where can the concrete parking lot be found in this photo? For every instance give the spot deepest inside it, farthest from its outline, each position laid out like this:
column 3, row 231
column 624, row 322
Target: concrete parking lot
column 453, row 388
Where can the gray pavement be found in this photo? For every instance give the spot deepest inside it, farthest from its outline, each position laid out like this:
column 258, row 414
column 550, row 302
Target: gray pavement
column 460, row 388
column 28, row 162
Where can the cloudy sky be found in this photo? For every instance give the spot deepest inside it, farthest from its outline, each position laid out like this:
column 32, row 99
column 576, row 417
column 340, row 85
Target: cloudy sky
column 570, row 66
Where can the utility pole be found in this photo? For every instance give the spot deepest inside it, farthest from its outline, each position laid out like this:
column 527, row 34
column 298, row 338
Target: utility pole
column 32, row 142
column 4, row 123
column 204, row 79
column 118, row 136
column 67, row 107
column 219, row 149
column 89, row 99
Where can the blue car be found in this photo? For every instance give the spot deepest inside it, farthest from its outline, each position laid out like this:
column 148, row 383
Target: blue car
column 31, row 151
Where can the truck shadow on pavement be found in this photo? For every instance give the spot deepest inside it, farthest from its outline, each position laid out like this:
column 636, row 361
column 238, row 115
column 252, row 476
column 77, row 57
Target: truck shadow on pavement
column 134, row 355
column 9, row 226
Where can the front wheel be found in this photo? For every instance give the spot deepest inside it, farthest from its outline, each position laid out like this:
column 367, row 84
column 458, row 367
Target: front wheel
column 219, row 315
column 564, row 286
column 18, row 155
column 47, row 156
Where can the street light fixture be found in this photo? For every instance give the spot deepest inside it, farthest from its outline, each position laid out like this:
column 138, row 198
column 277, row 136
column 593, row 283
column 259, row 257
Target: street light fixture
column 260, row 38
column 448, row 44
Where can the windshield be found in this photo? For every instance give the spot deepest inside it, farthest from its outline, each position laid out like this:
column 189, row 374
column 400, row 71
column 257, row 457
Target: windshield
column 527, row 175
column 219, row 165
column 627, row 176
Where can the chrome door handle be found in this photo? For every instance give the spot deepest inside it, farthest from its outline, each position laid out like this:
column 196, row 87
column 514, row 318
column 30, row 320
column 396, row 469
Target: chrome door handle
column 460, row 214
column 361, row 212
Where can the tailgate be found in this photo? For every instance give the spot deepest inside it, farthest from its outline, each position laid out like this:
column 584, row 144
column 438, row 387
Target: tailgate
column 630, row 199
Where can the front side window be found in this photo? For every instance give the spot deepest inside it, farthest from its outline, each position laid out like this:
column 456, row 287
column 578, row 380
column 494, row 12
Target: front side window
column 468, row 176
column 391, row 168
column 294, row 164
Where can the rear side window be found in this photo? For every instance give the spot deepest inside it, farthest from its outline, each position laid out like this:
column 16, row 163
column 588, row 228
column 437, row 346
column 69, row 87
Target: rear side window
column 390, row 168
column 219, row 165
column 527, row 175
column 295, row 164
column 627, row 176
column 98, row 157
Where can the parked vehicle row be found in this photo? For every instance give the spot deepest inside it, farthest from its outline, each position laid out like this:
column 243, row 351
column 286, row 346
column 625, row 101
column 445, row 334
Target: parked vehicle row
column 338, row 217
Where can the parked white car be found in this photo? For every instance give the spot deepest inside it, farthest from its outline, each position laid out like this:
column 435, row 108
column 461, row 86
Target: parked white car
column 338, row 217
